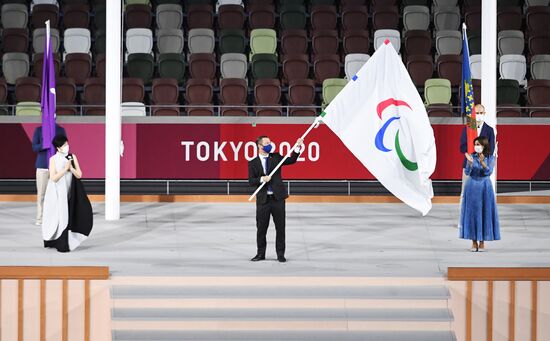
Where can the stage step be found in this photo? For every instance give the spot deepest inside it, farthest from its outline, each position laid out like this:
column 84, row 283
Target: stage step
column 280, row 308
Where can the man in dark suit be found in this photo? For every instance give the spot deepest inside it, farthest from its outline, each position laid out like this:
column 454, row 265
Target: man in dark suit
column 270, row 200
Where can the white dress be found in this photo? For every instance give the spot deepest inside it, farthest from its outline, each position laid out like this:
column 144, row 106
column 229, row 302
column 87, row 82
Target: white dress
column 56, row 202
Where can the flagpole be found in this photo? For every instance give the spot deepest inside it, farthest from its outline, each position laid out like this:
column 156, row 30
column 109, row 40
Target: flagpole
column 315, row 124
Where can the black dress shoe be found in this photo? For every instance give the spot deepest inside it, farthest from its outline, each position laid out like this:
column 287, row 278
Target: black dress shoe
column 281, row 259
column 258, row 258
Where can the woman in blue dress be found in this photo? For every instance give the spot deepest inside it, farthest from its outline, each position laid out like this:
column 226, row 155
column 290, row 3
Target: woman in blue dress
column 479, row 216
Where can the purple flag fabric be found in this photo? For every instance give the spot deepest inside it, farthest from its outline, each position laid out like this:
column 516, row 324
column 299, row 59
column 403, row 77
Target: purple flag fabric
column 47, row 102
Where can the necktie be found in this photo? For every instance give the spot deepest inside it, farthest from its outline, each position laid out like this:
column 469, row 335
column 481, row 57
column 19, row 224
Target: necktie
column 269, row 188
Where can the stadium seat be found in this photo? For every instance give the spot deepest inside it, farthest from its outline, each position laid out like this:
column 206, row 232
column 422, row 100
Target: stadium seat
column 200, row 16
column 295, row 66
column 385, row 17
column 94, row 96
column 508, row 98
column 448, row 42
column 292, row 17
column 39, row 40
column 474, row 42
column 446, row 18
column 133, row 90
column 264, row 65
column 37, row 62
column 170, row 40
column 437, row 94
column 15, row 65
column 100, row 41
column 139, row 40
column 450, row 67
column 539, row 43
column 530, row 3
column 537, row 19
column 171, row 65
column 228, row 2
column 169, row 16
column 233, row 65
column 231, row 41
column 14, row 16
column 43, row 12
column 77, row 40
column 199, row 92
column 28, row 109
column 472, row 18
column 233, row 91
column 509, row 18
column 294, row 42
column 353, row 63
column 417, row 42
column 540, row 66
column 65, row 96
column 326, row 66
column 356, row 41
column 538, row 95
column 141, row 65
column 355, row 18
column 393, row 36
column 510, row 42
column 261, row 17
column 301, row 92
column 203, row 66
column 331, row 88
column 15, row 40
column 165, row 94
column 27, row 89
column 76, row 16
column 475, row 66
column 267, row 92
column 325, row 42
column 100, row 18
column 138, row 16
column 263, row 41
column 323, row 17
column 201, row 40
column 513, row 66
column 416, row 18
column 78, row 66
column 132, row 109
column 420, row 68
column 231, row 17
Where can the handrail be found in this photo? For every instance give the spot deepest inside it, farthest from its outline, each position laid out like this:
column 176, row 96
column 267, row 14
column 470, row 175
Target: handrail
column 498, row 274
column 55, row 272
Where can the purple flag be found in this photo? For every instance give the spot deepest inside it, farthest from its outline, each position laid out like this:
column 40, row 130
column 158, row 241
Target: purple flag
column 47, row 102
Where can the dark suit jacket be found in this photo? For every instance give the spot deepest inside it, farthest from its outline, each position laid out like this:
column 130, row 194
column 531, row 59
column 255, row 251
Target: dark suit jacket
column 256, row 171
column 486, row 131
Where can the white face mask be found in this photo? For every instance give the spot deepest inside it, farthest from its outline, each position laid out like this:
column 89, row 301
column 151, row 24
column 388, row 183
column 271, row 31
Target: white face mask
column 480, row 118
column 478, row 149
column 64, row 149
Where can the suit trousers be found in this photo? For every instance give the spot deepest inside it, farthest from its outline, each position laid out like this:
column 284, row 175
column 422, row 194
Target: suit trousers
column 42, row 177
column 275, row 208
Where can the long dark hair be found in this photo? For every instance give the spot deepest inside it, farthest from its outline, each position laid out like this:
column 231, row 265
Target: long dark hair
column 485, row 143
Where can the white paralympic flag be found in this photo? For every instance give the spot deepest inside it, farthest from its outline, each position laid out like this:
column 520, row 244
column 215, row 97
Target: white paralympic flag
column 381, row 119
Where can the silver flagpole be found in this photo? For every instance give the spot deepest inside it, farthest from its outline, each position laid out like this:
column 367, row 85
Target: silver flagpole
column 315, row 124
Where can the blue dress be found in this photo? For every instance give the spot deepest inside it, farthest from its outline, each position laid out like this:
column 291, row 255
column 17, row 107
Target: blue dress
column 479, row 216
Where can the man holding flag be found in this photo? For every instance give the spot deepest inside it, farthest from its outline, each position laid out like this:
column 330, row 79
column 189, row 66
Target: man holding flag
column 44, row 134
column 475, row 115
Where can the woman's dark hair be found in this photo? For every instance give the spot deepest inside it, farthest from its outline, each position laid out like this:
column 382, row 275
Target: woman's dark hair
column 59, row 140
column 260, row 138
column 485, row 143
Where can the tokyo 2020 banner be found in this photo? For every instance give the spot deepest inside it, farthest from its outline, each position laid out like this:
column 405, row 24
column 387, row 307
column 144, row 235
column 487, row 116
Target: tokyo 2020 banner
column 221, row 151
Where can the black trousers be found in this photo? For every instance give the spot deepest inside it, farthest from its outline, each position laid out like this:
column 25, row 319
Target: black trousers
column 275, row 208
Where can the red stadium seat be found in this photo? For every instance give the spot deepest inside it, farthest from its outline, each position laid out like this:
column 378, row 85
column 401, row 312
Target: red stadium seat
column 165, row 92
column 138, row 16
column 202, row 65
column 295, row 66
column 450, row 67
column 261, row 16
column 326, row 66
column 267, row 92
column 78, row 66
column 200, row 16
column 231, row 16
column 65, row 92
column 133, row 90
column 199, row 92
column 294, row 42
column 301, row 92
column 355, row 18
column 420, row 68
column 233, row 91
column 325, row 42
column 323, row 17
column 356, row 41
column 27, row 89
column 538, row 95
column 94, row 95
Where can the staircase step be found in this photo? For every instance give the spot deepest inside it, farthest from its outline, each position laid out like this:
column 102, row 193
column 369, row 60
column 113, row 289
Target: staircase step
column 155, row 335
column 260, row 314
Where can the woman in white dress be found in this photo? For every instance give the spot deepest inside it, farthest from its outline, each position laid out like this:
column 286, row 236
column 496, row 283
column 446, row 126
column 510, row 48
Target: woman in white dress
column 56, row 201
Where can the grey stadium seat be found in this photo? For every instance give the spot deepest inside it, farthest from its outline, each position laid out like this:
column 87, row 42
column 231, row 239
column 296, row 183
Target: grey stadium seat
column 39, row 40
column 353, row 63
column 448, row 42
column 540, row 66
column 446, row 18
column 510, row 42
column 416, row 18
column 201, row 40
column 170, row 40
column 14, row 16
column 513, row 66
column 169, row 16
column 233, row 65
column 393, row 36
column 15, row 65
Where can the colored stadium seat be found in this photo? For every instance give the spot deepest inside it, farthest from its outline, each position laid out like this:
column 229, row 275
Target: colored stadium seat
column 199, row 92
column 323, row 17
column 475, row 66
column 14, row 16
column 138, row 16
column 510, row 42
column 420, row 68
column 200, row 16
column 416, row 18
column 165, row 94
column 385, row 17
column 449, row 42
column 537, row 19
column 231, row 17
column 170, row 40
column 77, row 40
column 3, row 96
column 355, row 18
column 233, row 65
column 326, row 66
column 325, row 42
column 201, row 40
column 450, row 67
column 43, row 12
column 15, row 40
column 509, row 18
column 540, row 66
column 263, row 41
column 513, row 66
column 301, row 92
column 65, row 96
column 393, row 36
column 28, row 109
column 331, row 88
column 202, row 65
column 133, row 90
column 264, row 65
column 169, row 16
column 233, row 91
column 100, row 65
column 267, row 92
column 39, row 40
column 437, row 94
column 539, row 43
column 356, row 41
column 261, row 16
column 538, row 95
column 472, row 18
column 292, row 17
column 15, row 65
column 294, row 42
column 37, row 62
column 417, row 42
column 94, row 96
column 135, row 109
column 231, row 41
column 171, row 65
column 27, row 89
column 508, row 98
column 76, row 16
column 78, row 66
column 141, row 65
column 295, row 66
column 139, row 40
column 474, row 42
column 446, row 18
column 353, row 63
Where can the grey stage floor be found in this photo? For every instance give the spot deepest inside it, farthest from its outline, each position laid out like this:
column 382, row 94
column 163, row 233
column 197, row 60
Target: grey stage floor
column 194, row 239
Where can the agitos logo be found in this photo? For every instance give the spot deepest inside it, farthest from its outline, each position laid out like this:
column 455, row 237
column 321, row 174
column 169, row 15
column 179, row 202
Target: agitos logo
column 379, row 139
